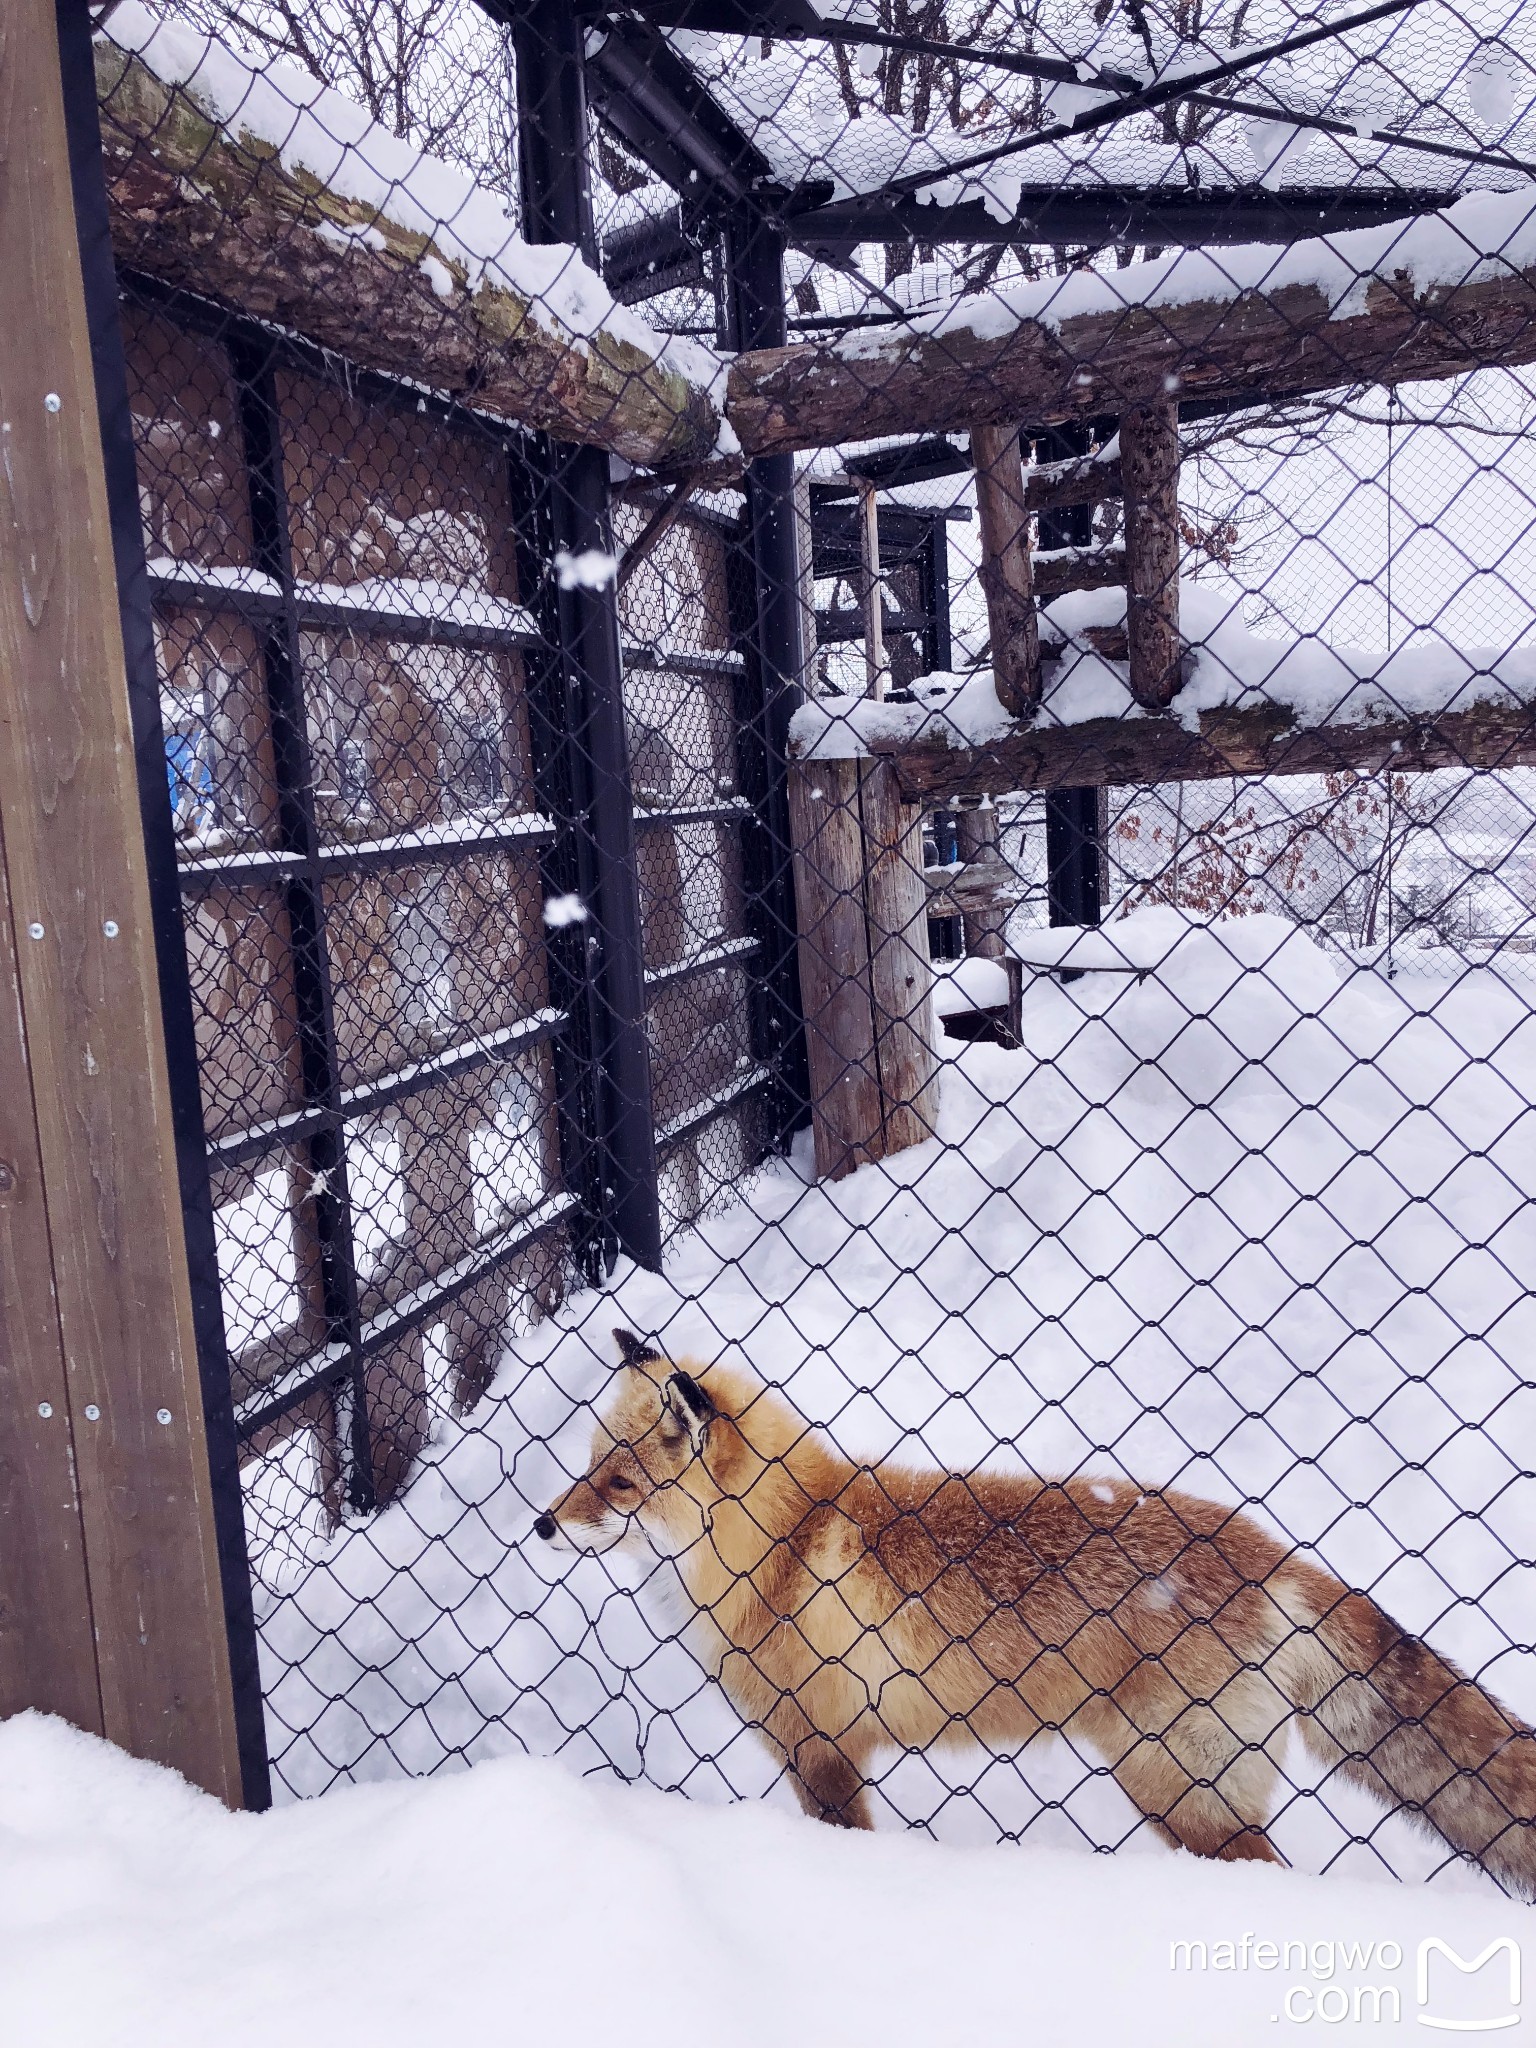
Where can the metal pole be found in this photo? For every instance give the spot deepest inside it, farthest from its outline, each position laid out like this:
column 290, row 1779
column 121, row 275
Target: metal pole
column 775, row 651
column 552, row 134
column 99, row 271
column 1074, row 818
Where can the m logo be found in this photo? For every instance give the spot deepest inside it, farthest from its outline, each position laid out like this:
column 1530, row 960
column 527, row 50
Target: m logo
column 1434, row 1946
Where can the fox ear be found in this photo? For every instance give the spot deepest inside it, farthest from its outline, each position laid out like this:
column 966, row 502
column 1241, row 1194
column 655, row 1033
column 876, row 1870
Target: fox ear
column 686, row 1408
column 635, row 1351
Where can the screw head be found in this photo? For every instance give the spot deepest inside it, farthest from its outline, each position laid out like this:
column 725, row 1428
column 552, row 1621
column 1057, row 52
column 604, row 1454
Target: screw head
column 110, row 928
column 45, row 1409
column 92, row 1412
column 7, row 1177
column 162, row 1416
column 34, row 930
column 53, row 402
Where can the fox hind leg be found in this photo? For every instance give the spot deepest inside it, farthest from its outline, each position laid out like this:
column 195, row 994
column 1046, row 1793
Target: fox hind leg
column 1202, row 1783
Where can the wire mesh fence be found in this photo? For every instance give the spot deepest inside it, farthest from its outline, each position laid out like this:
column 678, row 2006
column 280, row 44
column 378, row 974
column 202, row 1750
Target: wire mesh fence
column 858, row 697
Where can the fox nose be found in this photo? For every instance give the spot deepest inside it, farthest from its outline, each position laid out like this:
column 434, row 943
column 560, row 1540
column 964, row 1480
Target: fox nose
column 544, row 1526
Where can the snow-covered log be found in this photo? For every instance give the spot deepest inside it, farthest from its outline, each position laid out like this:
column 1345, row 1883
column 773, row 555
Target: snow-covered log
column 392, row 259
column 1247, row 707
column 1451, row 292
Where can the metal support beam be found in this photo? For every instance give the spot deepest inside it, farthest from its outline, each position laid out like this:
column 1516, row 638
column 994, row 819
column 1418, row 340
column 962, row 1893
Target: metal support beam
column 557, row 207
column 772, row 639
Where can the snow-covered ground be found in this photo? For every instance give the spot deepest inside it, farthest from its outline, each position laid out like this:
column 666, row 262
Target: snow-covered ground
column 1259, row 1223
column 518, row 1905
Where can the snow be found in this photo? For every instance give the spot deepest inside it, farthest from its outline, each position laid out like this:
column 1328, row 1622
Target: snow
column 1228, row 668
column 1259, row 1224
column 520, row 1903
column 1123, row 948
column 592, row 569
column 318, row 130
column 421, row 597
column 973, row 984
column 560, row 911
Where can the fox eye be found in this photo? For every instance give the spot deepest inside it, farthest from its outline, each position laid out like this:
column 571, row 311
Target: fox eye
column 619, row 1484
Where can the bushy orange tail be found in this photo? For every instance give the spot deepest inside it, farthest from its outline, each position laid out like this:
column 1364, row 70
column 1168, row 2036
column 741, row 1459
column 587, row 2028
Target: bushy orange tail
column 1394, row 1716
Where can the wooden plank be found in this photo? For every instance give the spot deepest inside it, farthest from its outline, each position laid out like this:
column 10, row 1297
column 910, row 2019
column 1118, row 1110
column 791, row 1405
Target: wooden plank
column 1003, row 518
column 1223, row 348
column 47, row 1645
column 900, row 976
column 1117, row 752
column 826, row 829
column 202, row 206
column 877, row 676
column 74, row 857
column 1149, row 469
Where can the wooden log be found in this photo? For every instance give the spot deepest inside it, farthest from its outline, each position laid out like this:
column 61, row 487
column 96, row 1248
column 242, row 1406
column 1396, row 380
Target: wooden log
column 1059, row 570
column 1136, row 335
column 89, row 1013
column 846, row 1124
column 1003, row 519
column 201, row 205
column 980, row 885
column 1115, row 752
column 976, row 834
column 1083, row 480
column 901, row 977
column 864, row 973
column 1149, row 468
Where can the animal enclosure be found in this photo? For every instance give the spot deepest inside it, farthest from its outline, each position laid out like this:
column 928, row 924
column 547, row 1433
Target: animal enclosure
column 858, row 693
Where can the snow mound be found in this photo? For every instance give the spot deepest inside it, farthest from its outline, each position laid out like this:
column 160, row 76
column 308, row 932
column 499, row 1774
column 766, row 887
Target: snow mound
column 1257, row 1225
column 521, row 1903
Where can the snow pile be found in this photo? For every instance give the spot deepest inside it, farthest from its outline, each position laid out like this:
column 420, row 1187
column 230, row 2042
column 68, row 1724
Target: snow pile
column 522, row 1905
column 1242, row 1225
column 1228, row 668
column 318, row 130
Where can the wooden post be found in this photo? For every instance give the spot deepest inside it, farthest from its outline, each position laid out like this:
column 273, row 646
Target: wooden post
column 976, row 831
column 864, row 973
column 877, row 678
column 1003, row 519
column 100, row 1165
column 1149, row 470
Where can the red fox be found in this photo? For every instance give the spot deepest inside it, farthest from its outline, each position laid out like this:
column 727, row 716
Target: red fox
column 845, row 1608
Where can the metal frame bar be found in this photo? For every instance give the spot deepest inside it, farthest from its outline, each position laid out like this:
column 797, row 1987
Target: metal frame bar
column 770, row 625
column 548, row 41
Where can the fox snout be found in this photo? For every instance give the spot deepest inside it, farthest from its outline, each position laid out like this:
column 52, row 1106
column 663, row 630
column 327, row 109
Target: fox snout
column 547, row 1527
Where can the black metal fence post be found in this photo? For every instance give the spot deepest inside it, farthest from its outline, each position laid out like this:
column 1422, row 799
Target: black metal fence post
column 774, row 646
column 116, row 422
column 557, row 207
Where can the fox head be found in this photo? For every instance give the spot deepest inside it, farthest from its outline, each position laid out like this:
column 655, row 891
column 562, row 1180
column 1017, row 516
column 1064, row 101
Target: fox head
column 674, row 1442
column 654, row 1429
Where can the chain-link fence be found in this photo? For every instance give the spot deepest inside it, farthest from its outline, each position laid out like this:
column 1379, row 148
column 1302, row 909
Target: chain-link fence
column 857, row 694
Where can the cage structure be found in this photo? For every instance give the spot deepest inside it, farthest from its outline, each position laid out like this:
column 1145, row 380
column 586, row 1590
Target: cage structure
column 857, row 696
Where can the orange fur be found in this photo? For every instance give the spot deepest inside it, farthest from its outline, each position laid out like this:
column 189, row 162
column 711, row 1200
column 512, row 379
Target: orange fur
column 845, row 1609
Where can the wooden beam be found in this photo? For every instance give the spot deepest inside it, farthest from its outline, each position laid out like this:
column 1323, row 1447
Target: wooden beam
column 1003, row 518
column 1083, row 480
column 76, row 883
column 1117, row 752
column 1223, row 346
column 1149, row 468
column 1059, row 570
column 980, row 885
column 209, row 208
